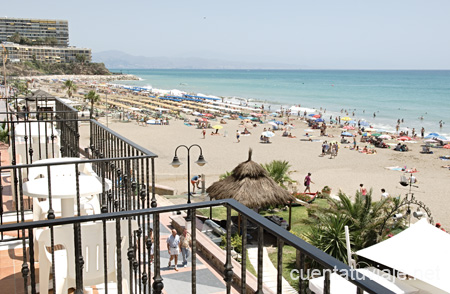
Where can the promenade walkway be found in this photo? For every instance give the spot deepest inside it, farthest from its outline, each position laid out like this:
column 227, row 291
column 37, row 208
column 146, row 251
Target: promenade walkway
column 269, row 271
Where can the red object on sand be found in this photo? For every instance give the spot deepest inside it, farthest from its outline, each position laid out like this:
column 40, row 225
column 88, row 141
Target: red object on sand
column 317, row 116
column 447, row 146
column 404, row 138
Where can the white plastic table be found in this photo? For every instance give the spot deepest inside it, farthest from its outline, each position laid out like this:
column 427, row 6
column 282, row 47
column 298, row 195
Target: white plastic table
column 58, row 170
column 63, row 188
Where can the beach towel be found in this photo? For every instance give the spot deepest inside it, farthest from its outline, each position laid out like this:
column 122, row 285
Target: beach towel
column 399, row 168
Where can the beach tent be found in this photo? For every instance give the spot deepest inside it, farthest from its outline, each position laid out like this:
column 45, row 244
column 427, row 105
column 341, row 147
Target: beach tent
column 420, row 251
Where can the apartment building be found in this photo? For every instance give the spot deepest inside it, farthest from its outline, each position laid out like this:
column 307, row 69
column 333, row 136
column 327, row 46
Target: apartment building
column 35, row 29
column 47, row 54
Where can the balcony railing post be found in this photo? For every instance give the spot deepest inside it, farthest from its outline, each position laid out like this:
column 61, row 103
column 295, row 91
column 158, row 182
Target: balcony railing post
column 157, row 279
column 119, row 256
column 260, row 259
column 79, row 262
column 32, row 268
column 105, row 256
column 244, row 256
column 280, row 266
column 194, row 251
column 154, row 204
column 228, row 267
column 300, row 272
column 326, row 283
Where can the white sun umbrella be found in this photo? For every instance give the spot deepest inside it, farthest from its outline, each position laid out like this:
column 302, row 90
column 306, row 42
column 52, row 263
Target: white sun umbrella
column 387, row 137
column 268, row 134
column 431, row 141
column 309, row 130
column 272, row 123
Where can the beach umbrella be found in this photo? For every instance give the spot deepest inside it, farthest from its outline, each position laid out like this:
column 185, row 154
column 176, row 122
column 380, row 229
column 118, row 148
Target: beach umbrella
column 387, row 137
column 202, row 119
column 274, row 114
column 320, row 120
column 309, row 130
column 279, row 122
column 217, row 127
column 441, row 138
column 268, row 134
column 226, row 116
column 272, row 123
column 346, row 118
column 430, row 141
column 365, row 134
column 250, row 184
column 376, row 134
column 208, row 115
column 404, row 138
column 446, row 146
column 312, row 114
column 370, row 130
column 346, row 134
column 348, row 128
column 364, row 124
column 352, row 122
column 433, row 134
column 317, row 115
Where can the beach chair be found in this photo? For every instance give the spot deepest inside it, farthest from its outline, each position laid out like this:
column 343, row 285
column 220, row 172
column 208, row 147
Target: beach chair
column 92, row 251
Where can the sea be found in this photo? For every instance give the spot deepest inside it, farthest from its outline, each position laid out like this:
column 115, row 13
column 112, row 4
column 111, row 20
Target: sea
column 419, row 98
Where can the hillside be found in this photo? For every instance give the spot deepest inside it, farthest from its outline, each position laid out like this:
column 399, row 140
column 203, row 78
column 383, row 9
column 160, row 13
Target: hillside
column 38, row 68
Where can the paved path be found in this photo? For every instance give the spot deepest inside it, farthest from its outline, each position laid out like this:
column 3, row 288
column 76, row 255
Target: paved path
column 269, row 271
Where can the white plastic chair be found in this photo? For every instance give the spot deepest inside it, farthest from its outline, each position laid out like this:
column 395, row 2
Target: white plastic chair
column 92, row 251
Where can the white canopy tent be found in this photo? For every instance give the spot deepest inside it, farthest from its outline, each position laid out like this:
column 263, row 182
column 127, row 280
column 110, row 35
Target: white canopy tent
column 421, row 251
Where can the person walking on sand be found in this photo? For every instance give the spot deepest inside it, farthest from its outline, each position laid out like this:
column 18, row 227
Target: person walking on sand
column 185, row 245
column 173, row 247
column 422, row 132
column 362, row 190
column 238, row 135
column 308, row 182
column 204, row 133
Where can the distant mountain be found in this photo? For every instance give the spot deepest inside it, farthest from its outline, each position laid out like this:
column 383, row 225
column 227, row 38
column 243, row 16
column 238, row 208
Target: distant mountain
column 122, row 60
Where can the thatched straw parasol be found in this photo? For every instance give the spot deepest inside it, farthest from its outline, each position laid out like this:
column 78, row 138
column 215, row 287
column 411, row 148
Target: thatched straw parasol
column 251, row 185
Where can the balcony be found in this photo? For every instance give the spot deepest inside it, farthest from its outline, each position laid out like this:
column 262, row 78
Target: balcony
column 88, row 219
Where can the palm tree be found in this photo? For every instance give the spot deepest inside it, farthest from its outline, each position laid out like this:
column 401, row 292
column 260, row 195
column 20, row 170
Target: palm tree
column 364, row 218
column 93, row 97
column 70, row 86
column 21, row 87
column 279, row 171
column 329, row 235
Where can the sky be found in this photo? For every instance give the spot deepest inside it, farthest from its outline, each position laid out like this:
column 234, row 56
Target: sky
column 323, row 34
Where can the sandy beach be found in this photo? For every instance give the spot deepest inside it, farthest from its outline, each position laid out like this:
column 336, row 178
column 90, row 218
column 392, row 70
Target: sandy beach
column 344, row 172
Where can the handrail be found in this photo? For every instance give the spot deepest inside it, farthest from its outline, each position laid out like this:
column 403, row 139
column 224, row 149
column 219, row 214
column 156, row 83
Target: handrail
column 131, row 143
column 324, row 259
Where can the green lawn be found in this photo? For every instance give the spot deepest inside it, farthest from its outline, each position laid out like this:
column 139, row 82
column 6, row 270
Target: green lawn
column 298, row 213
column 219, row 212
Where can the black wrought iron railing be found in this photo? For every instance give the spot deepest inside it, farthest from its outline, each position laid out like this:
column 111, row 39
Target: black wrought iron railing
column 134, row 273
column 125, row 169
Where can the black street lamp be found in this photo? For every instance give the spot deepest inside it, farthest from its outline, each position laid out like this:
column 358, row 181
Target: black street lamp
column 176, row 163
